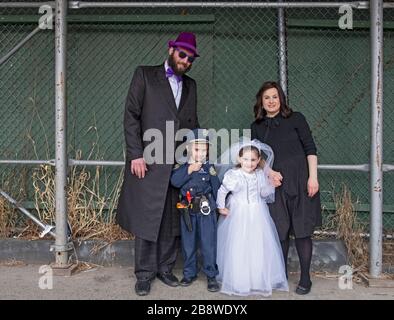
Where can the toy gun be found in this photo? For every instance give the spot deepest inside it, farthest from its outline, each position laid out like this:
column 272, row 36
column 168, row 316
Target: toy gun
column 184, row 210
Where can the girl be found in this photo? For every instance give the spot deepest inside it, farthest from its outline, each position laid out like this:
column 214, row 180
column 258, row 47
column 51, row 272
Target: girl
column 249, row 255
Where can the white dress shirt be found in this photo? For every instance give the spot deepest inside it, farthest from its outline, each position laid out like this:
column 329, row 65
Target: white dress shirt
column 176, row 86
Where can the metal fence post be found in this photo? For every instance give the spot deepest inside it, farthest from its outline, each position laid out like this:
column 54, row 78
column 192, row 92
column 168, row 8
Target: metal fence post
column 376, row 182
column 61, row 133
column 282, row 48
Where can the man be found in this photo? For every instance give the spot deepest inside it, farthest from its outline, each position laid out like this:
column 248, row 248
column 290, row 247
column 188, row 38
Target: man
column 147, row 203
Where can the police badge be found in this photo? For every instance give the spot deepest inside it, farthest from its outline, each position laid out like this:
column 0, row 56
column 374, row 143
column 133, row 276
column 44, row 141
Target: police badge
column 212, row 171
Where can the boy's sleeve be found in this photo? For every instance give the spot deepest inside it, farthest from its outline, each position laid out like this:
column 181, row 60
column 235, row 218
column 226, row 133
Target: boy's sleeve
column 180, row 176
column 215, row 182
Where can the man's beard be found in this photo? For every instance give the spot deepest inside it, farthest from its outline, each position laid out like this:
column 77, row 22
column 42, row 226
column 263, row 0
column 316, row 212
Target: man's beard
column 173, row 65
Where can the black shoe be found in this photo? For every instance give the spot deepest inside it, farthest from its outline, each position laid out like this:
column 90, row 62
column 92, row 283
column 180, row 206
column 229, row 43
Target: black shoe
column 142, row 287
column 185, row 282
column 168, row 278
column 303, row 290
column 213, row 285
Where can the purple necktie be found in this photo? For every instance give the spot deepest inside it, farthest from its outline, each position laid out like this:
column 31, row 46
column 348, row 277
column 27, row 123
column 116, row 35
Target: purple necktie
column 170, row 73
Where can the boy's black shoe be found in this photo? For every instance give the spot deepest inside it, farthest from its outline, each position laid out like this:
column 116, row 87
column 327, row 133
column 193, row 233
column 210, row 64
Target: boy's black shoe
column 185, row 282
column 168, row 278
column 142, row 287
column 213, row 285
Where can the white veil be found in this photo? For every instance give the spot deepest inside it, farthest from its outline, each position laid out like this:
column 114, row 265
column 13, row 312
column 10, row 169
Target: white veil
column 229, row 159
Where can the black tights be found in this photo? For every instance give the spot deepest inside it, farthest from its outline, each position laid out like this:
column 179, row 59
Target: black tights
column 304, row 250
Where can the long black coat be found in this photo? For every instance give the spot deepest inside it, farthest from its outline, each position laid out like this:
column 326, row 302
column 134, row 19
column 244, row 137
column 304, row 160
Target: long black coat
column 150, row 103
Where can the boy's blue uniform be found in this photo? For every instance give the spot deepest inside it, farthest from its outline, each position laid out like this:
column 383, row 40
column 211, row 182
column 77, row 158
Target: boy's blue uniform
column 204, row 227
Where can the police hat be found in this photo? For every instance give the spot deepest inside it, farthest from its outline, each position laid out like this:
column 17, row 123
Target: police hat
column 198, row 136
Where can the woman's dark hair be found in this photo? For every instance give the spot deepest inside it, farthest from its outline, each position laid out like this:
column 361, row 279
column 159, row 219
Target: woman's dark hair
column 251, row 149
column 259, row 111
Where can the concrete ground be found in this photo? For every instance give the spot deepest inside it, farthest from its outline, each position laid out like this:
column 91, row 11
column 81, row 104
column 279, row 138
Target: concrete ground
column 19, row 281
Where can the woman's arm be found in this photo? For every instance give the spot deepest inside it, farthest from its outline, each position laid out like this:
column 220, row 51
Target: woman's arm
column 306, row 138
column 313, row 183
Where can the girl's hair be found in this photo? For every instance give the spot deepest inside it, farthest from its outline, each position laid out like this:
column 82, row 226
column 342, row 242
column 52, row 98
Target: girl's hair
column 253, row 149
column 259, row 111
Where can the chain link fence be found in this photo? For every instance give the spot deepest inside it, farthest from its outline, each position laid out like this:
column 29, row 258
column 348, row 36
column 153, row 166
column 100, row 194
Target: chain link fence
column 328, row 80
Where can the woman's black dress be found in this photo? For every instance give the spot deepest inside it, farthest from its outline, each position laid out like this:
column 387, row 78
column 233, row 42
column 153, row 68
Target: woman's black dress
column 291, row 140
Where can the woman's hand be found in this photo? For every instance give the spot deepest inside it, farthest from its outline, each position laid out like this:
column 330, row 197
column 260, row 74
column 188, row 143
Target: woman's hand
column 275, row 177
column 313, row 187
column 313, row 184
column 224, row 211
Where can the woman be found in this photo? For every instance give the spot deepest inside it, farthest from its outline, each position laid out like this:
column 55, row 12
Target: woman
column 296, row 209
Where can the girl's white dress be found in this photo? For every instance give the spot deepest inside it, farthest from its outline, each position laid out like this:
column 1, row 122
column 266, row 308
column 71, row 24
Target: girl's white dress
column 249, row 255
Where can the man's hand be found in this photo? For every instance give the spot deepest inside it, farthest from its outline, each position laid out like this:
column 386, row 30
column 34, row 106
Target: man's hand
column 313, row 187
column 195, row 166
column 138, row 167
column 224, row 211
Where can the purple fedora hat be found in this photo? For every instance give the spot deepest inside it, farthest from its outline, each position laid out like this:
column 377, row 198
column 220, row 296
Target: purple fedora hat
column 185, row 40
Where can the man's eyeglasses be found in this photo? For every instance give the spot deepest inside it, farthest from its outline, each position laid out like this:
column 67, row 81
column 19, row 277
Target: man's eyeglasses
column 183, row 55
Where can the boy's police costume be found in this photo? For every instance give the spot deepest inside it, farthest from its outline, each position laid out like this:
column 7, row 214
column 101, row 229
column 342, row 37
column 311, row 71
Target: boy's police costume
column 197, row 206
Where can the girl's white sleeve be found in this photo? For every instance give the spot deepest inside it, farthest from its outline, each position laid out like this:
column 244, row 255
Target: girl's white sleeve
column 230, row 183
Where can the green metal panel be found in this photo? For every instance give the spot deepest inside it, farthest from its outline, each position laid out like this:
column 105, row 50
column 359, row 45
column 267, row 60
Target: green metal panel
column 329, row 74
column 27, row 95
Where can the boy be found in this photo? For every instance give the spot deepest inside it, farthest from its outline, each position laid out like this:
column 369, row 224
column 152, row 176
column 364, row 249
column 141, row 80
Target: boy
column 198, row 183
